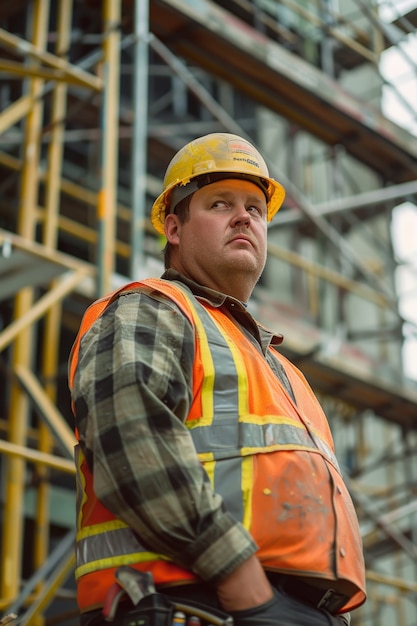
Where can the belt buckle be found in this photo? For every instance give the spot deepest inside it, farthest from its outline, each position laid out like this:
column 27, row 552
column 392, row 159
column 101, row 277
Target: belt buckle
column 328, row 599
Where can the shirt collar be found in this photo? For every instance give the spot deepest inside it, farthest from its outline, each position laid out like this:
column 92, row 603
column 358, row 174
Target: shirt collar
column 218, row 299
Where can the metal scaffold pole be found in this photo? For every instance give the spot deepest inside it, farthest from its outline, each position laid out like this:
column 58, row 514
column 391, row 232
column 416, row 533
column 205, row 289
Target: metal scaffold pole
column 50, row 351
column 107, row 196
column 139, row 135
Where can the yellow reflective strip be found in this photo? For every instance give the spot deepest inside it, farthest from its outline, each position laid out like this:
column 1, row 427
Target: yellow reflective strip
column 247, row 489
column 205, row 457
column 252, row 418
column 248, row 451
column 116, row 561
column 207, row 402
column 281, row 419
column 103, row 527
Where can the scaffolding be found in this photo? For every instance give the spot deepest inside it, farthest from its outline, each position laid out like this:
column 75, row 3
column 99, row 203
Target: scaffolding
column 96, row 97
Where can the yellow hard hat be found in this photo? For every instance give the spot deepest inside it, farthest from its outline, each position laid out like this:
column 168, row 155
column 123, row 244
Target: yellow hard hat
column 208, row 159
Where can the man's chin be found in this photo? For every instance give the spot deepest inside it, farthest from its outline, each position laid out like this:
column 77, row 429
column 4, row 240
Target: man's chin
column 246, row 259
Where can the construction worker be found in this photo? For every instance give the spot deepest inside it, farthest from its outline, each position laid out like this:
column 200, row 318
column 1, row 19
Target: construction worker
column 204, row 456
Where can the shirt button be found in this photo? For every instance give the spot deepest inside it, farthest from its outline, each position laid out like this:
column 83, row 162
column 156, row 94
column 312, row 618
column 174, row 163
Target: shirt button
column 342, row 552
column 339, row 490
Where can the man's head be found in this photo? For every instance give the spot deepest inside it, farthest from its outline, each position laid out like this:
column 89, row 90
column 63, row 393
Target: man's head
column 216, row 202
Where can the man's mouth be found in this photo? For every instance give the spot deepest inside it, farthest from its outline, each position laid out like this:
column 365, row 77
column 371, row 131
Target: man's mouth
column 241, row 238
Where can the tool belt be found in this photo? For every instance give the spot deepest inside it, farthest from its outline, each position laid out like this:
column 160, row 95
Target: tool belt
column 133, row 601
column 157, row 610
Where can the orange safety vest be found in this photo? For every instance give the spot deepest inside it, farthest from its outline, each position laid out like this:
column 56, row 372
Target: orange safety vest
column 247, row 431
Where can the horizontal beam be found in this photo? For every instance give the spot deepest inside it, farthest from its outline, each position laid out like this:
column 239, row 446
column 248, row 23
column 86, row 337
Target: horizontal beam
column 72, row 72
column 21, row 70
column 403, row 191
column 35, row 456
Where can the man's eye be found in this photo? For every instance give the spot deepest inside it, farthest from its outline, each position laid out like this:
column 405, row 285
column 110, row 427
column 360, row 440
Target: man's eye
column 255, row 209
column 220, row 204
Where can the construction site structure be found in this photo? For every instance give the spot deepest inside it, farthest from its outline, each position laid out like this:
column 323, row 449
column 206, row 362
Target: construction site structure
column 96, row 96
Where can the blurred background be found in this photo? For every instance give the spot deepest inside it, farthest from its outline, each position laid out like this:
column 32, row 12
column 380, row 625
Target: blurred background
column 96, row 96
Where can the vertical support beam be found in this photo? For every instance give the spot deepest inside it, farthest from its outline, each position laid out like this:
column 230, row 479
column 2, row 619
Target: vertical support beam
column 56, row 130
column 50, row 349
column 327, row 42
column 15, row 468
column 139, row 138
column 107, row 196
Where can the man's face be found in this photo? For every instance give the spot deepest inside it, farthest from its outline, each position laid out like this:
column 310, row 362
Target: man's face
column 223, row 244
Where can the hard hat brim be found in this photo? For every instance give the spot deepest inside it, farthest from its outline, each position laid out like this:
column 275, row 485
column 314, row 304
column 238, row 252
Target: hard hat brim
column 274, row 190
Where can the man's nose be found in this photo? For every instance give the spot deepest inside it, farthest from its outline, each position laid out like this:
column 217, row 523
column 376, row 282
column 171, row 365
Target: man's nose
column 240, row 216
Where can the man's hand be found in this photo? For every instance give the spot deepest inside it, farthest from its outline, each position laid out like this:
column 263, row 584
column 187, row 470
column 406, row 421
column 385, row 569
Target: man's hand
column 246, row 587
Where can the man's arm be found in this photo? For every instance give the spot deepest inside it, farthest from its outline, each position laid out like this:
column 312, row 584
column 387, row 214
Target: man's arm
column 133, row 391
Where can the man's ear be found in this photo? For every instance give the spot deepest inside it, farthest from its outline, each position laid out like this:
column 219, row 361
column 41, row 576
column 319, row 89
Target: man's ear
column 172, row 228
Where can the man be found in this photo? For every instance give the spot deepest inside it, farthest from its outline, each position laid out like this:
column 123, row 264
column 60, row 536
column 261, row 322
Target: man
column 204, row 456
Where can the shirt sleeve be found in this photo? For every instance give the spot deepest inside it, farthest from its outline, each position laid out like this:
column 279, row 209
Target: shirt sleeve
column 132, row 394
